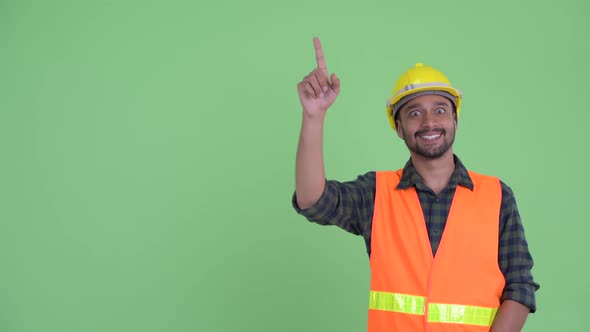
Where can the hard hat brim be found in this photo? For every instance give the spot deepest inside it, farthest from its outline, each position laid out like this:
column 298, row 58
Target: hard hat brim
column 446, row 88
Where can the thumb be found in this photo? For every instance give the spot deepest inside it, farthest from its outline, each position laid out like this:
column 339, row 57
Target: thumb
column 335, row 83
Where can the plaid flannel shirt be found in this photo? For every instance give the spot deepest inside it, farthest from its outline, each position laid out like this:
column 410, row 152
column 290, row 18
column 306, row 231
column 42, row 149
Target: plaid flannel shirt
column 349, row 205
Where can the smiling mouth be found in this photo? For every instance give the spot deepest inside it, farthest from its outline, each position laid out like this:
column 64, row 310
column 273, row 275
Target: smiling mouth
column 430, row 137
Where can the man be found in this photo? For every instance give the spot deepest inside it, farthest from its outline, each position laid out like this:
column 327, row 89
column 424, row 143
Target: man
column 446, row 245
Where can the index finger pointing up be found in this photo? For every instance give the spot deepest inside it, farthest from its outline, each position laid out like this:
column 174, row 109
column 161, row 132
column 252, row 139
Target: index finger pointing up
column 319, row 56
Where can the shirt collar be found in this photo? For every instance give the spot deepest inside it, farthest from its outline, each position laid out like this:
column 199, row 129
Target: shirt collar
column 410, row 177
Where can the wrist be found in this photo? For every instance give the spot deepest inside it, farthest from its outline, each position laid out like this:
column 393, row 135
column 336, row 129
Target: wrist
column 313, row 117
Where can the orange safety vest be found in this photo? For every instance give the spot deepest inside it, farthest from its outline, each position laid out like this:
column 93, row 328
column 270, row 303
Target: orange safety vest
column 457, row 290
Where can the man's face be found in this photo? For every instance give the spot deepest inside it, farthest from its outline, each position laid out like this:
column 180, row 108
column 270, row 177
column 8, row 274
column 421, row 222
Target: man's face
column 427, row 124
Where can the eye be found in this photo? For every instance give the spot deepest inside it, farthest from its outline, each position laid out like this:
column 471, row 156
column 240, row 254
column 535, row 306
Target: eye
column 440, row 111
column 414, row 113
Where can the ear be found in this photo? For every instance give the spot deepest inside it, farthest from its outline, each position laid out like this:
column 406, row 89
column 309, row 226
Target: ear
column 398, row 128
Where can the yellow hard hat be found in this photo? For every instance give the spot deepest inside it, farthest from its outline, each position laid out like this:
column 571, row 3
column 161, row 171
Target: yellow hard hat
column 420, row 80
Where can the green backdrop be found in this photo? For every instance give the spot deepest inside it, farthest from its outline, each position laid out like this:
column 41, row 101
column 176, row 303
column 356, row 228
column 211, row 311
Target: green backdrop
column 148, row 148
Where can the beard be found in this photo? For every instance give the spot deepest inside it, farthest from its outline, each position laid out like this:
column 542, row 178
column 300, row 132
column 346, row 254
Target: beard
column 426, row 151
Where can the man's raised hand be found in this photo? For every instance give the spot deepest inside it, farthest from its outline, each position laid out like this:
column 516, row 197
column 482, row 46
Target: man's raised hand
column 318, row 91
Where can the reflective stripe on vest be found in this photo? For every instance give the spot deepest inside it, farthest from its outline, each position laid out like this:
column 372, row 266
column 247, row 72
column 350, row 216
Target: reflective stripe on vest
column 437, row 312
column 407, row 304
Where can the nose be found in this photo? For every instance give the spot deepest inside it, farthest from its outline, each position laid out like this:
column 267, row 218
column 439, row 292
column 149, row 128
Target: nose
column 428, row 120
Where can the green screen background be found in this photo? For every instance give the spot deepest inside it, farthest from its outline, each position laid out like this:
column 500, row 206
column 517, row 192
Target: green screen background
column 147, row 153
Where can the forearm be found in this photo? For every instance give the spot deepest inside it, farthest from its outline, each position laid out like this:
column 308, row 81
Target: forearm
column 510, row 317
column 310, row 175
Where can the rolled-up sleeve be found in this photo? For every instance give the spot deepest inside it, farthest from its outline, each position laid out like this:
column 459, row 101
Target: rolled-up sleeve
column 348, row 205
column 514, row 258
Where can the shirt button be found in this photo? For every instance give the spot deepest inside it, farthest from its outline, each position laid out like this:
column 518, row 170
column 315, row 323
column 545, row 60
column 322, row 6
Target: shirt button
column 436, row 230
column 436, row 201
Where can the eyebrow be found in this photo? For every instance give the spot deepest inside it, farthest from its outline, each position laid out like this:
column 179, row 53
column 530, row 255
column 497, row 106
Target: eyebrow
column 441, row 103
column 436, row 103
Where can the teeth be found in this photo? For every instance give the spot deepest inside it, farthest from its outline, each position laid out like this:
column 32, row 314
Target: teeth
column 431, row 136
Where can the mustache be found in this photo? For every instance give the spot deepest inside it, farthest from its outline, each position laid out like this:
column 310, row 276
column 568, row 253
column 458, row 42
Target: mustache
column 426, row 131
